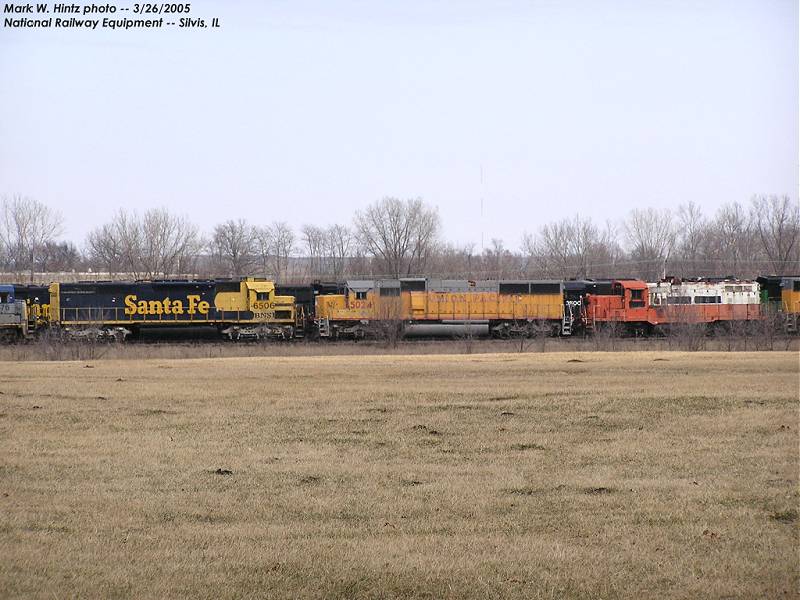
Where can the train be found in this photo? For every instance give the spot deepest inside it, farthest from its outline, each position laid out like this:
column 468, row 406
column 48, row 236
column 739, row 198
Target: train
column 251, row 308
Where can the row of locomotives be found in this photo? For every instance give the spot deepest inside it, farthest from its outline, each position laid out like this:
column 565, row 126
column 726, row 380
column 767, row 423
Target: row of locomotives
column 305, row 300
column 638, row 308
column 116, row 310
column 372, row 308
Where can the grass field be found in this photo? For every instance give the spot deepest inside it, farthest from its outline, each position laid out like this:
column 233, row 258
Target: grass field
column 577, row 475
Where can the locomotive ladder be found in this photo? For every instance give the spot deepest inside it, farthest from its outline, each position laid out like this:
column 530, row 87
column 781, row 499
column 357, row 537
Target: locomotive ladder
column 300, row 322
column 568, row 320
column 323, row 326
column 566, row 323
column 791, row 323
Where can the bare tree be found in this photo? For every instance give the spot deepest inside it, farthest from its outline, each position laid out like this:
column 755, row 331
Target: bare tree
column 338, row 249
column 283, row 241
column 691, row 235
column 776, row 221
column 104, row 248
column 314, row 241
column 730, row 241
column 458, row 262
column 58, row 256
column 549, row 251
column 499, row 262
column 399, row 234
column 275, row 244
column 650, row 234
column 26, row 226
column 234, row 246
column 169, row 243
column 156, row 244
column 570, row 248
column 263, row 243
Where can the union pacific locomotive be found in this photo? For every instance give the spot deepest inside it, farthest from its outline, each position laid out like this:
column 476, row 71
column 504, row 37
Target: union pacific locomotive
column 252, row 308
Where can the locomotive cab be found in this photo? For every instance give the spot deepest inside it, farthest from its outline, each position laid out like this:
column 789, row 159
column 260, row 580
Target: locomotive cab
column 266, row 305
column 13, row 314
column 628, row 304
column 625, row 296
column 635, row 294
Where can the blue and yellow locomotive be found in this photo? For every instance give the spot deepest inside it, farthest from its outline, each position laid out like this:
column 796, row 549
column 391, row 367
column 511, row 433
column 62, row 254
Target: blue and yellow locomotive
column 239, row 309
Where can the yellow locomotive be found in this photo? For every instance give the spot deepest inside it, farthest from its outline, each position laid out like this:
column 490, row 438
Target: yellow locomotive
column 509, row 308
column 790, row 302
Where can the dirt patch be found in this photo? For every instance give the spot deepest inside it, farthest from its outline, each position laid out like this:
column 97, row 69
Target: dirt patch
column 784, row 516
column 598, row 491
column 527, row 447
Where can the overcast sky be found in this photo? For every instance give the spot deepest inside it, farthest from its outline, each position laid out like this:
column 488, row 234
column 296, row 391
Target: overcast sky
column 305, row 111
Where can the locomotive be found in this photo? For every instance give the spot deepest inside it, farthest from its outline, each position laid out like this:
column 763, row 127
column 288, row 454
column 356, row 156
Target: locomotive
column 242, row 309
column 643, row 308
column 507, row 307
column 13, row 315
column 252, row 308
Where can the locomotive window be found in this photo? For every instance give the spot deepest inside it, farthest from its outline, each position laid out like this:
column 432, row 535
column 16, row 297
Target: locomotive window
column 361, row 295
column 514, row 288
column 796, row 286
column 390, row 291
column 679, row 299
column 413, row 286
column 707, row 300
column 637, row 298
column 262, row 295
column 545, row 288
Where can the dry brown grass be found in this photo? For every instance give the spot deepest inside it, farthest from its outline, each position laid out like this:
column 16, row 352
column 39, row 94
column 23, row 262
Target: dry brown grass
column 506, row 475
column 48, row 349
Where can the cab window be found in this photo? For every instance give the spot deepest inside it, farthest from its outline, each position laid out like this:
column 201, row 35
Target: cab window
column 262, row 296
column 637, row 298
column 361, row 295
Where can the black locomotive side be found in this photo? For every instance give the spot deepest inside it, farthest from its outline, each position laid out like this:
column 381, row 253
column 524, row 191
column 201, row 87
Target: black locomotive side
column 142, row 303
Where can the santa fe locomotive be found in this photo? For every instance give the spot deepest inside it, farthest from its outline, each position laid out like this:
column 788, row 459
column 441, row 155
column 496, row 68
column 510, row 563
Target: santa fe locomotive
column 251, row 308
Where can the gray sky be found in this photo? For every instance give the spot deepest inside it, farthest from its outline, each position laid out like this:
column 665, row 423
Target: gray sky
column 304, row 111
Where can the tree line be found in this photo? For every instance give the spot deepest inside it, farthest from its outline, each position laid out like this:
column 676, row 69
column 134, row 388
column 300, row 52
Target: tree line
column 403, row 237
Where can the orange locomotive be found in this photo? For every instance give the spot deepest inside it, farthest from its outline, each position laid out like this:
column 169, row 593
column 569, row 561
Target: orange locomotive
column 641, row 308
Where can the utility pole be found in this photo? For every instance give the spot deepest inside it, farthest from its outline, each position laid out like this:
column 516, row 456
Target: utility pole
column 481, row 209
